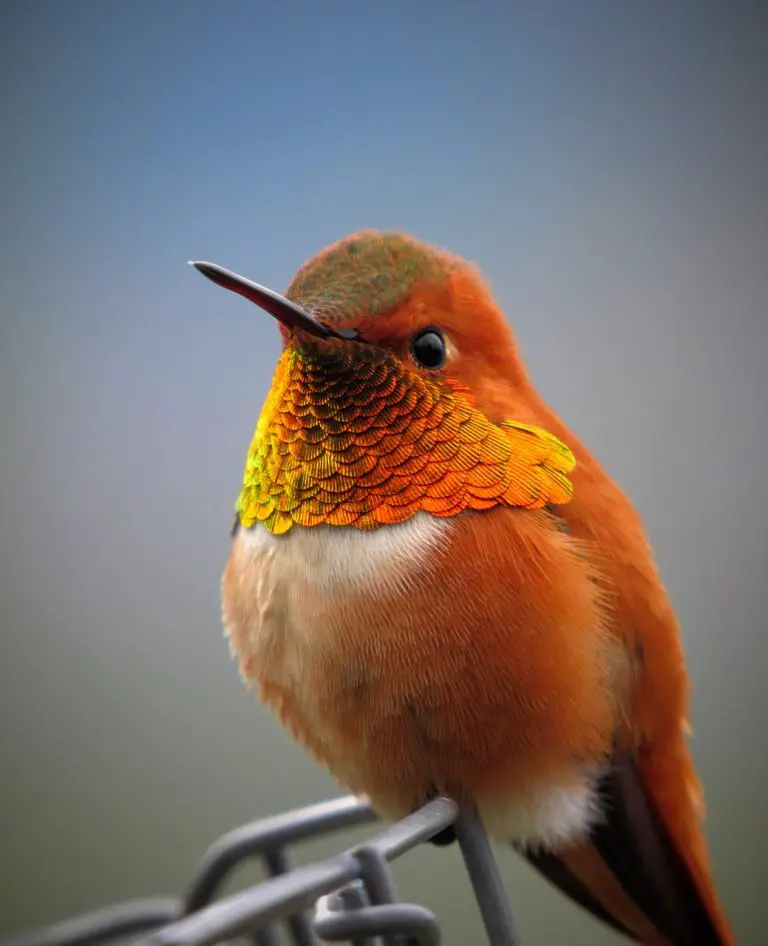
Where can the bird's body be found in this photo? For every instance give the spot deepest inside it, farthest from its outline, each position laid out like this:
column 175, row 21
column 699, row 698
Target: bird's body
column 415, row 592
column 425, row 696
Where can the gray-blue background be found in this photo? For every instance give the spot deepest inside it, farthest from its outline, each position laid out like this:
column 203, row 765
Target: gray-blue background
column 604, row 162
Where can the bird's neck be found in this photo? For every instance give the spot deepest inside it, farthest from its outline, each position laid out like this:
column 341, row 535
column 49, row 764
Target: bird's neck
column 366, row 445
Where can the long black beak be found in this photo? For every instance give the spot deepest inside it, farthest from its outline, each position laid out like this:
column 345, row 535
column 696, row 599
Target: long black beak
column 285, row 311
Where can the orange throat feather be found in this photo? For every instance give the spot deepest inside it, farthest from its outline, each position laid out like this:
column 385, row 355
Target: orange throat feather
column 366, row 442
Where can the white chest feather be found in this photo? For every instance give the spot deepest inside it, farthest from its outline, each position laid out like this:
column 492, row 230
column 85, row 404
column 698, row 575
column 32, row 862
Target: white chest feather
column 334, row 559
column 292, row 584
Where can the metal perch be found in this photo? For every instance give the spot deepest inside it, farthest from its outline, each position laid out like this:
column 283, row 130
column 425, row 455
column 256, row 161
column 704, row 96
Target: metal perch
column 353, row 893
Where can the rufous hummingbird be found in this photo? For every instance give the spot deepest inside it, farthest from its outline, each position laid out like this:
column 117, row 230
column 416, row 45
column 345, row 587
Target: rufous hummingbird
column 437, row 588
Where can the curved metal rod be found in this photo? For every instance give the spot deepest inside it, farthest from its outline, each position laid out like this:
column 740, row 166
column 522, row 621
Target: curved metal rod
column 267, row 834
column 167, row 922
column 405, row 919
column 121, row 919
column 278, row 897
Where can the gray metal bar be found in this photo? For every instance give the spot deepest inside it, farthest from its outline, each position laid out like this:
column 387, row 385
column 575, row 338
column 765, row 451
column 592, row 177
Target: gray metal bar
column 379, row 883
column 299, row 923
column 348, row 899
column 257, row 906
column 386, row 919
column 270, row 833
column 290, row 892
column 375, row 874
column 122, row 919
column 486, row 881
column 415, row 828
column 260, row 905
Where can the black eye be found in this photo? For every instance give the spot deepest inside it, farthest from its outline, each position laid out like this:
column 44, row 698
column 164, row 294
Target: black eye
column 428, row 348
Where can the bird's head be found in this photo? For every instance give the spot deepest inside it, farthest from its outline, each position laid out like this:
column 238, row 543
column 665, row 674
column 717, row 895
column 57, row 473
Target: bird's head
column 391, row 395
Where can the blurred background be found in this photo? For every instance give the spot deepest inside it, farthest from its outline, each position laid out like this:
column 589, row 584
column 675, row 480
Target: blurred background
column 604, row 163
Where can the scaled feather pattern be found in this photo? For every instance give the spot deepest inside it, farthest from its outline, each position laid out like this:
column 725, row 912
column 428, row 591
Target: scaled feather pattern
column 369, row 442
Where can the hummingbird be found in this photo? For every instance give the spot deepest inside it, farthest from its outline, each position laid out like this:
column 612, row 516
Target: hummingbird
column 438, row 589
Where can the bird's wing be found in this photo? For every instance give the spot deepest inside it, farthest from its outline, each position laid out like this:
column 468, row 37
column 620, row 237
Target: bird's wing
column 557, row 873
column 635, row 847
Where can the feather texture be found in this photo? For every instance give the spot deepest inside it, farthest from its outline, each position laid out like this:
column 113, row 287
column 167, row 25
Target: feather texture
column 360, row 440
column 520, row 651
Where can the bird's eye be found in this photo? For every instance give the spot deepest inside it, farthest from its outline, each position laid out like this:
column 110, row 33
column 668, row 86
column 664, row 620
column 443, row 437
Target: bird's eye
column 428, row 348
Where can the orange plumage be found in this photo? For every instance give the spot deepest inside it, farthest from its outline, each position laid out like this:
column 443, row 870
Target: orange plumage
column 523, row 659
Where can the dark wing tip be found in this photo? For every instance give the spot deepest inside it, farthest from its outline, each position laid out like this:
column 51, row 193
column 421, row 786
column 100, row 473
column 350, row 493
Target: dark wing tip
column 557, row 873
column 636, row 846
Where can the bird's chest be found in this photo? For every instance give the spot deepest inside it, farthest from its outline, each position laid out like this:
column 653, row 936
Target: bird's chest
column 394, row 657
column 301, row 609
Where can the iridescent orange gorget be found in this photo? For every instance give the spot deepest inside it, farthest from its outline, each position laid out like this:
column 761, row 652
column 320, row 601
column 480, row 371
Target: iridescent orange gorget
column 365, row 441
